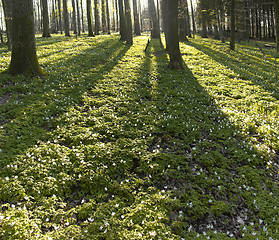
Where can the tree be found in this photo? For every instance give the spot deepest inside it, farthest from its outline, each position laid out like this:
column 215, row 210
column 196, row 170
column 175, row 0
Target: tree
column 74, row 16
column 46, row 32
column 8, row 6
column 108, row 19
column 66, row 18
column 276, row 8
column 60, row 16
column 172, row 25
column 232, row 35
column 123, row 25
column 24, row 57
column 103, row 15
column 89, row 18
column 97, row 18
column 203, row 18
column 78, row 18
column 128, row 19
column 136, row 18
column 155, row 31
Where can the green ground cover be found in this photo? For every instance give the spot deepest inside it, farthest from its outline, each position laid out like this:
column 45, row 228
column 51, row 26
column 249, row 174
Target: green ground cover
column 113, row 145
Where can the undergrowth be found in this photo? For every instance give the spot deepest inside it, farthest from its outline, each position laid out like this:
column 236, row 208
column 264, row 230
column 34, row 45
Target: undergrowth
column 113, row 145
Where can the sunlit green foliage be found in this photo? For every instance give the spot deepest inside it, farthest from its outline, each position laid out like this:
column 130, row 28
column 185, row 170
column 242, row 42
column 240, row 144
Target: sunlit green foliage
column 113, row 145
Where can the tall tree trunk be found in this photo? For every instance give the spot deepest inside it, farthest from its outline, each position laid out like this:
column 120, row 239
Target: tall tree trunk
column 165, row 17
column 60, row 16
column 78, row 17
column 123, row 25
column 103, row 15
column 136, row 18
column 74, row 16
column 8, row 6
column 174, row 50
column 276, row 8
column 82, row 18
column 203, row 18
column 193, row 17
column 155, row 31
column 182, row 21
column 188, row 28
column 89, row 18
column 24, row 57
column 108, row 18
column 116, row 15
column 66, row 18
column 53, row 19
column 97, row 18
column 128, row 18
column 232, row 35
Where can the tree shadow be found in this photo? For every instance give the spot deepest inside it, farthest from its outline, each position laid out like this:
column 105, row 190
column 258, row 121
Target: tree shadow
column 247, row 63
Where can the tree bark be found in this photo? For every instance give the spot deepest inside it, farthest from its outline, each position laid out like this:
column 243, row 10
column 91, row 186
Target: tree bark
column 174, row 50
column 232, row 35
column 97, row 20
column 8, row 6
column 128, row 18
column 136, row 18
column 123, row 25
column 276, row 8
column 203, row 19
column 66, row 18
column 103, row 15
column 165, row 16
column 74, row 16
column 116, row 13
column 155, row 31
column 60, row 16
column 108, row 18
column 46, row 32
column 82, row 19
column 78, row 18
column 24, row 57
column 89, row 18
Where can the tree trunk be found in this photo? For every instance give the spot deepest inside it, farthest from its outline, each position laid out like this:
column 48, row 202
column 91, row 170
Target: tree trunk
column 74, row 17
column 89, row 18
column 82, row 18
column 182, row 21
column 24, row 57
column 60, row 16
column 66, row 18
column 128, row 18
column 78, row 17
column 8, row 6
column 203, row 19
column 46, row 32
column 123, row 26
column 116, row 13
column 108, row 18
column 174, row 50
column 136, row 18
column 165, row 16
column 103, row 15
column 232, row 35
column 193, row 18
column 276, row 8
column 97, row 20
column 155, row 31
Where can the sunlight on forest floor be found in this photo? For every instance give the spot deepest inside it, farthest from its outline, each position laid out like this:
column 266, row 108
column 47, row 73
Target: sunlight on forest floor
column 113, row 145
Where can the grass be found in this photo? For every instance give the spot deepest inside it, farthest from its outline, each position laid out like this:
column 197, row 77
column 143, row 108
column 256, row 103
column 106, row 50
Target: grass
column 113, row 145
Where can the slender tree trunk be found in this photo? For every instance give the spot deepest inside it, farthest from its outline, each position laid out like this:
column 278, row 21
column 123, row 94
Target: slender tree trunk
column 108, row 18
column 203, row 17
column 116, row 16
column 165, row 16
column 24, row 57
column 174, row 50
column 97, row 19
column 8, row 6
column 128, row 22
column 181, row 21
column 193, row 17
column 188, row 28
column 276, row 8
column 74, row 16
column 66, row 18
column 78, row 17
column 89, row 18
column 155, row 31
column 60, row 16
column 123, row 25
column 82, row 18
column 103, row 15
column 53, row 19
column 232, row 40
column 272, row 20
column 136, row 18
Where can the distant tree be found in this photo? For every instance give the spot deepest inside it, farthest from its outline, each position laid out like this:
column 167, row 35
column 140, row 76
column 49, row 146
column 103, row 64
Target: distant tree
column 8, row 6
column 116, row 14
column 276, row 7
column 203, row 18
column 173, row 48
column 97, row 17
column 24, row 57
column 46, row 32
column 103, row 15
column 82, row 19
column 232, row 34
column 193, row 18
column 182, row 20
column 66, row 18
column 89, row 18
column 165, row 17
column 136, row 18
column 128, row 18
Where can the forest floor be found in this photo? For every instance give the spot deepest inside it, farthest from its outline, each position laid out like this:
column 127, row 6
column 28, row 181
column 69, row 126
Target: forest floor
column 113, row 145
